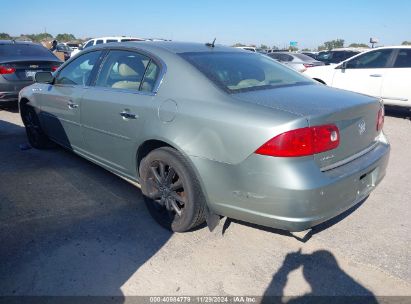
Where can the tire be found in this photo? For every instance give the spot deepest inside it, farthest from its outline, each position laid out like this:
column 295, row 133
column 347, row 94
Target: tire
column 171, row 190
column 35, row 134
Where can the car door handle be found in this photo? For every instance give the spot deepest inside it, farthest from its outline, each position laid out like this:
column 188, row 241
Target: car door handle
column 72, row 105
column 375, row 75
column 128, row 115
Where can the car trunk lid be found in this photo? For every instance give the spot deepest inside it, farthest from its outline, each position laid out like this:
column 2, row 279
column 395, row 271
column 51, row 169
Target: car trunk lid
column 25, row 70
column 355, row 115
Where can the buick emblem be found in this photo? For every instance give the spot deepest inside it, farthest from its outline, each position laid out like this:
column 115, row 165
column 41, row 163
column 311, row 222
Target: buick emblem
column 361, row 127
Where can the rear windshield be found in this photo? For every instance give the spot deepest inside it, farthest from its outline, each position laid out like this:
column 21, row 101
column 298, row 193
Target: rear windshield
column 241, row 72
column 15, row 51
column 303, row 57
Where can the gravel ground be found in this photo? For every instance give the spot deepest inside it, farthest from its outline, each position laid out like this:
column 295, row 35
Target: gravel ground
column 69, row 227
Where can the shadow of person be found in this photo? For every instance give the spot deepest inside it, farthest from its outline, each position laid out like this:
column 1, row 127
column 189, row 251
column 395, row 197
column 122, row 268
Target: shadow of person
column 328, row 282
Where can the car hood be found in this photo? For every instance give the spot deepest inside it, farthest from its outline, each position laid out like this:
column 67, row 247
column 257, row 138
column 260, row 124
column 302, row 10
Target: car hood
column 305, row 100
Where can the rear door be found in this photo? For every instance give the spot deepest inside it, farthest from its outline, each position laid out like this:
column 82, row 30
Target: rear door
column 61, row 102
column 364, row 73
column 396, row 86
column 114, row 110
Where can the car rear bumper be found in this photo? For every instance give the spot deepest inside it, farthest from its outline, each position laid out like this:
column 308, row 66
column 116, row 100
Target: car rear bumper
column 290, row 194
column 10, row 91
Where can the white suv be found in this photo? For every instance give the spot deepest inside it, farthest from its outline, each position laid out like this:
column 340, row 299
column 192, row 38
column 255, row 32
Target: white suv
column 383, row 72
column 101, row 40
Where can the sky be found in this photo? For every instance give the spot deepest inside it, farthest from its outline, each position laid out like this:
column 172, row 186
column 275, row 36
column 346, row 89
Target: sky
column 274, row 22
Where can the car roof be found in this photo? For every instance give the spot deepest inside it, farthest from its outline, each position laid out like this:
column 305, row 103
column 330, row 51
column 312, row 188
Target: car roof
column 15, row 42
column 172, row 46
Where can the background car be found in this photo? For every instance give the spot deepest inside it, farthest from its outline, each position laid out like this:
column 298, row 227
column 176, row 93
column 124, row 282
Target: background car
column 103, row 40
column 212, row 130
column 382, row 72
column 336, row 56
column 64, row 49
column 298, row 62
column 19, row 61
column 311, row 54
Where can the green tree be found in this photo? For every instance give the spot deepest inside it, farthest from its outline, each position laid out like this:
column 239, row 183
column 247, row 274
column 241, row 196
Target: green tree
column 263, row 47
column 329, row 45
column 4, row 36
column 306, row 50
column 406, row 43
column 293, row 49
column 356, row 45
column 65, row 37
column 38, row 37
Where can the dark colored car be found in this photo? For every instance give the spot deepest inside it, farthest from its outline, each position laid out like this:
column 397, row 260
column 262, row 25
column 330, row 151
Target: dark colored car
column 19, row 62
column 336, row 56
column 65, row 49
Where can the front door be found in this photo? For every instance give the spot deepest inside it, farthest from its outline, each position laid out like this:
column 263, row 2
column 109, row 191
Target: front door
column 363, row 73
column 115, row 108
column 61, row 101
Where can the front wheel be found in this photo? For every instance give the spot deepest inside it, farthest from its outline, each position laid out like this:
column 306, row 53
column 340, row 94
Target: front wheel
column 171, row 191
column 35, row 134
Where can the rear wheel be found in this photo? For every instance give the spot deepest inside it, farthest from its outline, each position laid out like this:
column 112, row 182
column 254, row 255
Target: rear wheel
column 172, row 193
column 35, row 134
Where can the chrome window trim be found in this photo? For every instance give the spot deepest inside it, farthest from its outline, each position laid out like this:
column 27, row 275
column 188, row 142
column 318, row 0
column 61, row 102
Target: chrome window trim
column 349, row 159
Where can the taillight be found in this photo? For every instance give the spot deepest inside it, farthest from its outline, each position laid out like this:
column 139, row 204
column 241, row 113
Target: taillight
column 302, row 142
column 6, row 70
column 54, row 68
column 380, row 119
column 308, row 65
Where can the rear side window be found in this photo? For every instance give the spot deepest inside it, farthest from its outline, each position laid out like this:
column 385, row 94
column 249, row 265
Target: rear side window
column 371, row 60
column 99, row 41
column 17, row 50
column 123, row 70
column 79, row 70
column 403, row 59
column 111, row 40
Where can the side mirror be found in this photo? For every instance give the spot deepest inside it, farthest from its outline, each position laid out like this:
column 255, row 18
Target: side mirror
column 344, row 65
column 80, row 47
column 43, row 77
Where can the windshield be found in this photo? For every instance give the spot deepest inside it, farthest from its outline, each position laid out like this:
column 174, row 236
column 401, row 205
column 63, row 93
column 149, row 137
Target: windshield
column 241, row 72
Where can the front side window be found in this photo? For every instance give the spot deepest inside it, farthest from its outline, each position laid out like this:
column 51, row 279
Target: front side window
column 371, row 60
column 123, row 70
column 79, row 70
column 242, row 72
column 403, row 59
column 99, row 41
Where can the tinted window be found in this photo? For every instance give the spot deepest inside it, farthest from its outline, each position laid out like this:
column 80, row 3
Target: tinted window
column 241, row 72
column 78, row 71
column 111, row 40
column 130, row 39
column 99, row 41
column 123, row 70
column 303, row 57
column 25, row 50
column 403, row 59
column 370, row 60
column 90, row 43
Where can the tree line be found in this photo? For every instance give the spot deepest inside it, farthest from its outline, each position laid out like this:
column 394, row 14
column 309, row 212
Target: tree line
column 65, row 37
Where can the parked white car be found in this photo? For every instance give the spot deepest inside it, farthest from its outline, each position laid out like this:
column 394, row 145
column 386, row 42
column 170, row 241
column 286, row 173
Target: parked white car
column 102, row 40
column 382, row 72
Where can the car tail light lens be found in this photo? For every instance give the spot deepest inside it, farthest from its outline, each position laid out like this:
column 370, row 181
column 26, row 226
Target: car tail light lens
column 380, row 119
column 54, row 68
column 302, row 142
column 6, row 70
column 308, row 65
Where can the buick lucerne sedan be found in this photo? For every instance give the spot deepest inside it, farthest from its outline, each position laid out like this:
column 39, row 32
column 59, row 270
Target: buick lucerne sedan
column 210, row 131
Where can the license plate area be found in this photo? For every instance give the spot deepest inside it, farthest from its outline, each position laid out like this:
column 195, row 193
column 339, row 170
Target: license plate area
column 366, row 182
column 31, row 73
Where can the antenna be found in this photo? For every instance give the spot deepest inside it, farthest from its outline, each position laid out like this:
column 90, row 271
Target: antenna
column 211, row 44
